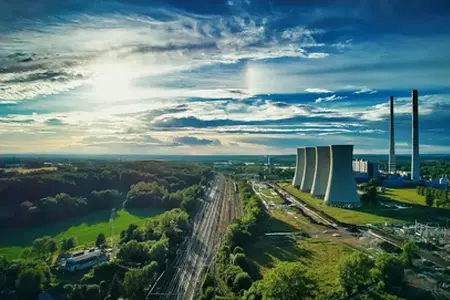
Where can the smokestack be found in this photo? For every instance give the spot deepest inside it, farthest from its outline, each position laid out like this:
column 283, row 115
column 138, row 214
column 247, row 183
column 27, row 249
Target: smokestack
column 392, row 163
column 415, row 163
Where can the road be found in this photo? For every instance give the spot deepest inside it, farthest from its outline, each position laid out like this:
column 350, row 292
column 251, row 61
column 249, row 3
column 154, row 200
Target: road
column 217, row 211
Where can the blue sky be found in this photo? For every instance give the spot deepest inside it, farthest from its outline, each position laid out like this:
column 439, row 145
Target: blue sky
column 221, row 77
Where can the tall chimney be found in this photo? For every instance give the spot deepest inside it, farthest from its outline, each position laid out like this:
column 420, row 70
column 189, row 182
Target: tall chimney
column 392, row 164
column 415, row 163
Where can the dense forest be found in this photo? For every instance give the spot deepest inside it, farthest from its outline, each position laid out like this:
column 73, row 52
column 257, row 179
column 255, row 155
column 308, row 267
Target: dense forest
column 74, row 189
column 143, row 252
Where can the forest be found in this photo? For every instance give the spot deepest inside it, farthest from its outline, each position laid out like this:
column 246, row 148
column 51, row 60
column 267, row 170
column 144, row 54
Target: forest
column 81, row 188
column 75, row 189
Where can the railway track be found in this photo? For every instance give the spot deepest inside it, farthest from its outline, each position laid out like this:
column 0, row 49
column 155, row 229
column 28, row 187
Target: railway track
column 216, row 213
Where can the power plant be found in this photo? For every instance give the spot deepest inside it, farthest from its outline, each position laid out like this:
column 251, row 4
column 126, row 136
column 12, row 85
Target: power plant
column 299, row 166
column 415, row 163
column 327, row 173
column 308, row 169
column 392, row 164
column 321, row 172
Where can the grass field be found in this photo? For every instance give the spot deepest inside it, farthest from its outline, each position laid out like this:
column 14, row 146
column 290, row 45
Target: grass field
column 320, row 256
column 26, row 171
column 375, row 214
column 85, row 229
column 270, row 197
column 354, row 216
column 405, row 195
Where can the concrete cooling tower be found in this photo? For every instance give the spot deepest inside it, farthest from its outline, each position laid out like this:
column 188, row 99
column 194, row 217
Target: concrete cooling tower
column 341, row 187
column 308, row 172
column 322, row 171
column 299, row 166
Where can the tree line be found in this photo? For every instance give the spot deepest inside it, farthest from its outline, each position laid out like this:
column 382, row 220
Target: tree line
column 438, row 197
column 88, row 186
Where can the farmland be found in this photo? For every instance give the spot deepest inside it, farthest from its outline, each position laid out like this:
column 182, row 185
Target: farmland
column 85, row 229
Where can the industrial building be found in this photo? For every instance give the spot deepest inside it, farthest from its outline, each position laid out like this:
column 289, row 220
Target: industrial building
column 392, row 162
column 321, row 172
column 309, row 169
column 364, row 170
column 326, row 172
column 415, row 161
column 299, row 166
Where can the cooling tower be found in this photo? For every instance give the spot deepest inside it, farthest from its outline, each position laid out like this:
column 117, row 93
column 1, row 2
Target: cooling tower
column 321, row 172
column 308, row 172
column 299, row 166
column 415, row 163
column 341, row 188
column 392, row 163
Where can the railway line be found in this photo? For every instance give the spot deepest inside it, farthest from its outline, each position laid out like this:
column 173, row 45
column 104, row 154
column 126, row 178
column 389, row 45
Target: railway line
column 216, row 213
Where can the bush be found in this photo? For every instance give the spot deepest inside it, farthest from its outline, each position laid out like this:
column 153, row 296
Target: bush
column 242, row 282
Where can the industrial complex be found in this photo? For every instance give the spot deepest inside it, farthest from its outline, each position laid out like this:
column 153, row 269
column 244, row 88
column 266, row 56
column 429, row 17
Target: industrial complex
column 329, row 172
column 326, row 172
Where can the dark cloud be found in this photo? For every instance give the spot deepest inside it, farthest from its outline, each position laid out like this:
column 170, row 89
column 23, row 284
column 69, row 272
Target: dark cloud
column 172, row 47
column 193, row 141
column 59, row 76
column 54, row 122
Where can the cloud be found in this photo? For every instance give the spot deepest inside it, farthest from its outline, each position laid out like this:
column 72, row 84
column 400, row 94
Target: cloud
column 330, row 98
column 193, row 141
column 54, row 122
column 365, row 90
column 317, row 91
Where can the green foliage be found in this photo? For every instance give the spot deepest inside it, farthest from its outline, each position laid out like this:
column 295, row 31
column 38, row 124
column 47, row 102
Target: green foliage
column 242, row 281
column 409, row 249
column 104, row 271
column 105, row 199
column 43, row 247
column 83, row 292
column 230, row 273
column 101, row 240
column 390, row 270
column 237, row 250
column 355, row 272
column 68, row 243
column 31, row 281
column 116, row 288
column 429, row 199
column 136, row 280
column 288, row 281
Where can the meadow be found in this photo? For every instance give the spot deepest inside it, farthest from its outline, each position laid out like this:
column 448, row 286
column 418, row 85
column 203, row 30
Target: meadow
column 373, row 214
column 85, row 229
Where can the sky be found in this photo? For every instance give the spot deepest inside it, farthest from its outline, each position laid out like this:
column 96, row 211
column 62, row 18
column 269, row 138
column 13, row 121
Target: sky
column 221, row 77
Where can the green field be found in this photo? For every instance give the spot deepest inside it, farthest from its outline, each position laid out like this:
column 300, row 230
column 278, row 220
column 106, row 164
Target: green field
column 354, row 216
column 320, row 256
column 269, row 197
column 405, row 195
column 375, row 214
column 85, row 229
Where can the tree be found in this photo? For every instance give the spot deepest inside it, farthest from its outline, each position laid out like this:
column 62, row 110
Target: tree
column 30, row 282
column 116, row 288
column 429, row 199
column 288, row 281
column 134, row 284
column 355, row 272
column 101, row 239
column 409, row 249
column 389, row 269
column 68, row 243
column 44, row 246
column 242, row 282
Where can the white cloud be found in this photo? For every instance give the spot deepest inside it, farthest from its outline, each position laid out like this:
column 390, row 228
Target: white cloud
column 330, row 98
column 317, row 91
column 318, row 55
column 365, row 90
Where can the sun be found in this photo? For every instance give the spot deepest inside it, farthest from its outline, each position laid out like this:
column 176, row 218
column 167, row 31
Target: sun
column 112, row 82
